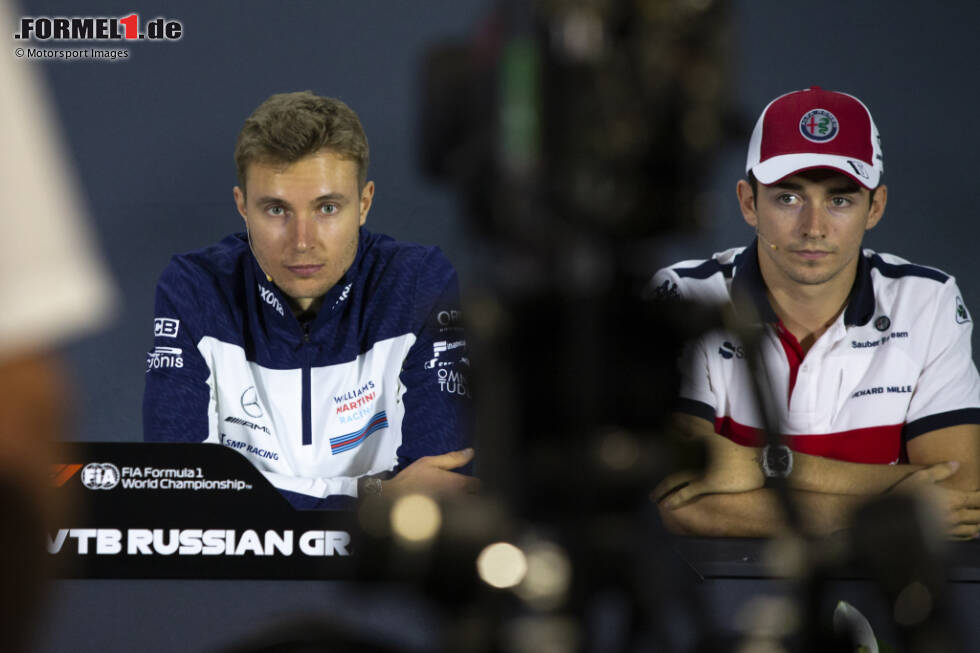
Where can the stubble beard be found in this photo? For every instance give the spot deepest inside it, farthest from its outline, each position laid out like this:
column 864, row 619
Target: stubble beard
column 346, row 259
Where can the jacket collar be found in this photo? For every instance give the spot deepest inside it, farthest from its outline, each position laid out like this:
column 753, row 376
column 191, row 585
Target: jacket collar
column 274, row 303
column 749, row 286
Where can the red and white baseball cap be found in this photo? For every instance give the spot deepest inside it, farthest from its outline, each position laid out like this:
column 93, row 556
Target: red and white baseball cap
column 814, row 128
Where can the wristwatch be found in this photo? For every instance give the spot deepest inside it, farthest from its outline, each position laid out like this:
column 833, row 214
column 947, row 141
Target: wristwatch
column 776, row 461
column 368, row 486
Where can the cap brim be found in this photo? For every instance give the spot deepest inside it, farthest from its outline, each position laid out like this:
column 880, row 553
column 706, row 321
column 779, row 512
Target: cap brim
column 780, row 167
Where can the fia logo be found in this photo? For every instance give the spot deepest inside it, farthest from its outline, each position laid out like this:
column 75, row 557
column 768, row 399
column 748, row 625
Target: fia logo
column 729, row 351
column 100, row 476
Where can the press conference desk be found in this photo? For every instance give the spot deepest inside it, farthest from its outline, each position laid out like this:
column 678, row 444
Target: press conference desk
column 150, row 591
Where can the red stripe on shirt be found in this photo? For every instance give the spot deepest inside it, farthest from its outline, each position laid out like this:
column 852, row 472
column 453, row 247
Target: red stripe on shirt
column 875, row 444
column 794, row 354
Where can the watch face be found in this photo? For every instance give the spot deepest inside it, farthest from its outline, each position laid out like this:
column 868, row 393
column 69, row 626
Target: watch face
column 368, row 486
column 778, row 461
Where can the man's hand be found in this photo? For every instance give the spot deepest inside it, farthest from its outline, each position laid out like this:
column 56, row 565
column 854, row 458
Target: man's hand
column 959, row 510
column 432, row 475
column 731, row 468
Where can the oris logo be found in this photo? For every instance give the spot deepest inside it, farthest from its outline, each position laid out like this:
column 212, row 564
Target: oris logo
column 250, row 402
column 100, row 476
column 449, row 318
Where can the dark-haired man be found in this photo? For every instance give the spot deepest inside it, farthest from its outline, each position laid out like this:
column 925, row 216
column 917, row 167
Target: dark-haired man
column 331, row 357
column 867, row 356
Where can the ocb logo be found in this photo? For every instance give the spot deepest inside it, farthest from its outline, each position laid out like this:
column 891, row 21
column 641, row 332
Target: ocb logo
column 165, row 326
column 100, row 476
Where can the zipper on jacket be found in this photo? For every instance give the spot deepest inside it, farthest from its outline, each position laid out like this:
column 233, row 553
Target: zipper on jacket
column 307, row 406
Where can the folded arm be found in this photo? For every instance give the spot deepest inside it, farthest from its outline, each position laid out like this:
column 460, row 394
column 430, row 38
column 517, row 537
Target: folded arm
column 757, row 513
column 735, row 468
column 727, row 499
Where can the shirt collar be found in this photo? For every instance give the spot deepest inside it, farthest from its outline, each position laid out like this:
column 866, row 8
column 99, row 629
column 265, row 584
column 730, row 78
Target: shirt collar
column 748, row 285
column 861, row 303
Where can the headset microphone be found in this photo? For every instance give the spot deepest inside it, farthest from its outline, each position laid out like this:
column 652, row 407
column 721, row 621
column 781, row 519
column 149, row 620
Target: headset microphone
column 248, row 235
column 768, row 242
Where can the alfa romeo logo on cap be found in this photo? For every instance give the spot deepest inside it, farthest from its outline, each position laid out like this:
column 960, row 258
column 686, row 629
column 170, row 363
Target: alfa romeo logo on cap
column 819, row 126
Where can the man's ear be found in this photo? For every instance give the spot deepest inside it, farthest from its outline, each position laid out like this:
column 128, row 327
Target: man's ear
column 747, row 202
column 240, row 202
column 367, row 198
column 877, row 206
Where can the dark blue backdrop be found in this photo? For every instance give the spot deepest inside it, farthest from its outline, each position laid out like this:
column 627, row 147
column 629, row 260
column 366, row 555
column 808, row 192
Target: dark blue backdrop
column 152, row 138
column 153, row 135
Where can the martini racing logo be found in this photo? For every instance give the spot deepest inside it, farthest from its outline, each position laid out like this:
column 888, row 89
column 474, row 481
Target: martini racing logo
column 343, row 443
column 269, row 298
column 819, row 126
column 962, row 316
column 100, row 476
column 354, row 405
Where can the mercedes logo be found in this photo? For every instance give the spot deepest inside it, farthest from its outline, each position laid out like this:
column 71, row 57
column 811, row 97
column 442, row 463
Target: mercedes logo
column 250, row 402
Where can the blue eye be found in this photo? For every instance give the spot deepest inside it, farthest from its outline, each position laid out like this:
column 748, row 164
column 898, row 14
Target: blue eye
column 329, row 209
column 275, row 210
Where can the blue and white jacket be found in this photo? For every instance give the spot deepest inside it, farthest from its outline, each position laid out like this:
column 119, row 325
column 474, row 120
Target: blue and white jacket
column 373, row 383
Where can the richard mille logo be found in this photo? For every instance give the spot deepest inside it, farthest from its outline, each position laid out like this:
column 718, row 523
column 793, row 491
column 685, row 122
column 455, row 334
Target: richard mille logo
column 250, row 402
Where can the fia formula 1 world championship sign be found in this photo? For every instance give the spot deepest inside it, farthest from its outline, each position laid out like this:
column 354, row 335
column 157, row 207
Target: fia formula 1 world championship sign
column 176, row 510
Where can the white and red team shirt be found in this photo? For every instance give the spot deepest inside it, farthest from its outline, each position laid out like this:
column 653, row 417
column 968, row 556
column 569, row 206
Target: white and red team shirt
column 895, row 364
